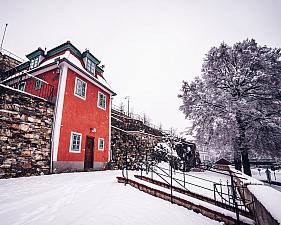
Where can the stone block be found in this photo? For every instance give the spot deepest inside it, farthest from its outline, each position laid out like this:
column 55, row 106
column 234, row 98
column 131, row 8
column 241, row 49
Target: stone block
column 25, row 153
column 14, row 126
column 3, row 138
column 27, row 164
column 24, row 127
column 29, row 136
column 5, row 166
column 30, row 119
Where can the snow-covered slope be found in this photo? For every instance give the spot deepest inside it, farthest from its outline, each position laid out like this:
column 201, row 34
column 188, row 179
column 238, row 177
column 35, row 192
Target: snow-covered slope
column 86, row 198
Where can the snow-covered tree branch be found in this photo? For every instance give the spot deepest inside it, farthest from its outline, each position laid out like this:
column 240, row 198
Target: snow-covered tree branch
column 237, row 100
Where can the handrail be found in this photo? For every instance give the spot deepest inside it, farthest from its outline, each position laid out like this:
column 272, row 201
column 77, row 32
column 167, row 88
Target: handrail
column 238, row 200
column 2, row 50
column 46, row 90
column 200, row 178
column 167, row 175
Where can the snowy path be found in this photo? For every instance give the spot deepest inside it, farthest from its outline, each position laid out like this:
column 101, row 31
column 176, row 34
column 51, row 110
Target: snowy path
column 86, row 198
column 262, row 176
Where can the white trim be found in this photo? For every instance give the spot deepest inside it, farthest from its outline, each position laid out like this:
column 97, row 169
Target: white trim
column 100, row 149
column 84, row 98
column 109, row 129
column 70, row 150
column 89, row 79
column 99, row 92
column 92, row 64
column 58, row 110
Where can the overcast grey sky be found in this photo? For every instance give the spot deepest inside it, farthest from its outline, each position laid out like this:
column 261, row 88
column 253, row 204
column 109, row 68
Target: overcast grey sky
column 148, row 47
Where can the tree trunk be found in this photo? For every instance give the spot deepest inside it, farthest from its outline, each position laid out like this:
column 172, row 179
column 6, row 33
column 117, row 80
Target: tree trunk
column 246, row 163
column 242, row 144
column 237, row 155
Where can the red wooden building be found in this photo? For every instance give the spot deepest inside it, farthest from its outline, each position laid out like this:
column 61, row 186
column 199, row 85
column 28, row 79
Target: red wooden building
column 74, row 82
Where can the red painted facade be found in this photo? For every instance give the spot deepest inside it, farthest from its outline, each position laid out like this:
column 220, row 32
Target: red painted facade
column 51, row 77
column 79, row 116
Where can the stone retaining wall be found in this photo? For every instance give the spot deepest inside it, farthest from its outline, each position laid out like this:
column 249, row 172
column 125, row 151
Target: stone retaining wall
column 25, row 134
column 135, row 146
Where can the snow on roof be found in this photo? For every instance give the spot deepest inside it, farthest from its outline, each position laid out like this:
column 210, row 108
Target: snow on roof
column 269, row 198
column 71, row 58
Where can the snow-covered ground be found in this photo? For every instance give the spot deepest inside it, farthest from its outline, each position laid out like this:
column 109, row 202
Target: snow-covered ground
column 86, row 198
column 261, row 175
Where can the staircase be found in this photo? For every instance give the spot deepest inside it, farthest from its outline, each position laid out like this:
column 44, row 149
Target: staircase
column 212, row 208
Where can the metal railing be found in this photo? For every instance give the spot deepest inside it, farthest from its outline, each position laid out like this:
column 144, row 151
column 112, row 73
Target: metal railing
column 232, row 197
column 137, row 117
column 12, row 55
column 32, row 85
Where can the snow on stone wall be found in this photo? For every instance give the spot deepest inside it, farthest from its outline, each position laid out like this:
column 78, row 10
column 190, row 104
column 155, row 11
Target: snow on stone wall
column 25, row 134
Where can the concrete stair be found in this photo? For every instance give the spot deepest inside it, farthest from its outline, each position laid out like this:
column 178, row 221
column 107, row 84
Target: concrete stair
column 195, row 195
column 208, row 207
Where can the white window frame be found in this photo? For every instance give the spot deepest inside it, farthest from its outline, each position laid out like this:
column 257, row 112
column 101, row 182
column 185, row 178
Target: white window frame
column 71, row 140
column 24, row 84
column 100, row 93
column 38, row 84
column 101, row 139
column 90, row 66
column 77, row 95
column 34, row 63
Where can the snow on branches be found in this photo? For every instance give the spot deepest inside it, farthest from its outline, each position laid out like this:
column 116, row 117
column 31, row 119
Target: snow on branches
column 237, row 99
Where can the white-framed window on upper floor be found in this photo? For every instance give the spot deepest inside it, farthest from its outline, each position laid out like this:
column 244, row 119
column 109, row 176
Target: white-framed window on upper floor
column 80, row 88
column 38, row 84
column 90, row 66
column 101, row 144
column 75, row 142
column 101, row 100
column 34, row 62
column 21, row 86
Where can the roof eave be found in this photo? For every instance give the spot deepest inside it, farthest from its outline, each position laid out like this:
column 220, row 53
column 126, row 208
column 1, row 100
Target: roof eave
column 88, row 75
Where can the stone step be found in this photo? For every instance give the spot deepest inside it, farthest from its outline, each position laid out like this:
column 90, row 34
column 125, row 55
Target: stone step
column 194, row 195
column 210, row 213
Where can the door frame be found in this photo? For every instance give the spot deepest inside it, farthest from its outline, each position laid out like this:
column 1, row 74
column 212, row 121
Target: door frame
column 92, row 152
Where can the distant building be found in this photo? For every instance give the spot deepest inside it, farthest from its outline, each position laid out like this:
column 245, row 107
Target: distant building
column 204, row 153
column 75, row 83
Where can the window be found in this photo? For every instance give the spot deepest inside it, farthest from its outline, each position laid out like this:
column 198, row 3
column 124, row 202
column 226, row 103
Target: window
column 38, row 84
column 80, row 88
column 101, row 100
column 101, row 144
column 34, row 62
column 90, row 67
column 75, row 142
column 21, row 86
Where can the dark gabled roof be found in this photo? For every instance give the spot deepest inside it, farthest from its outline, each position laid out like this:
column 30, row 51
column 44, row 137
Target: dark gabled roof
column 35, row 53
column 99, row 69
column 223, row 161
column 63, row 47
column 88, row 54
